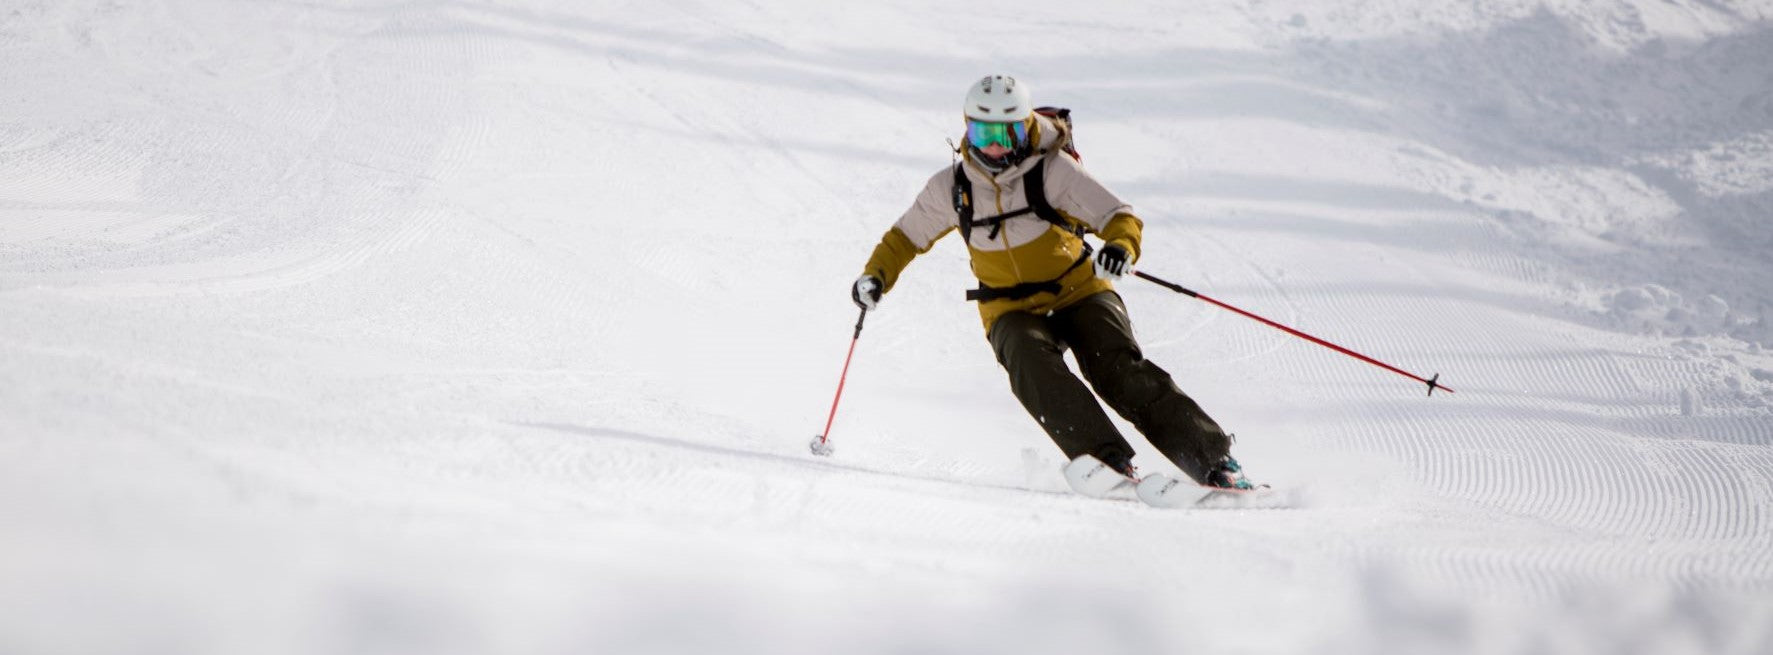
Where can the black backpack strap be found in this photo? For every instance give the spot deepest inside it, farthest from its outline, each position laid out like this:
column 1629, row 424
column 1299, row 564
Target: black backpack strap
column 996, row 222
column 963, row 201
column 1034, row 184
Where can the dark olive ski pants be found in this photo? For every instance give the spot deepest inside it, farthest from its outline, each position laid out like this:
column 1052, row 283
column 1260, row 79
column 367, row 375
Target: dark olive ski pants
column 1031, row 348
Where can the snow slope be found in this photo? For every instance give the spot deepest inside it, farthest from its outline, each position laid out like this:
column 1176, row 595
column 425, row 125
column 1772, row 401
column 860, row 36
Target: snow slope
column 502, row 326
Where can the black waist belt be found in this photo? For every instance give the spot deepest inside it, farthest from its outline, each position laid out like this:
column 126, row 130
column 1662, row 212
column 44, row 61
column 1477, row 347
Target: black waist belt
column 1026, row 289
column 1018, row 292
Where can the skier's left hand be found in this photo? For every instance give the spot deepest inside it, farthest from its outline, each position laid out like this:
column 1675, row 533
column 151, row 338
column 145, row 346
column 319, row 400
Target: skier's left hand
column 1112, row 262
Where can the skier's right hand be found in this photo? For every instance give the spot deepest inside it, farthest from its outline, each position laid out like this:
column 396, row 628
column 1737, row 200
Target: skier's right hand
column 866, row 292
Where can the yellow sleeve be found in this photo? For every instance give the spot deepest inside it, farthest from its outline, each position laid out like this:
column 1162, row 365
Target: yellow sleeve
column 1124, row 230
column 892, row 255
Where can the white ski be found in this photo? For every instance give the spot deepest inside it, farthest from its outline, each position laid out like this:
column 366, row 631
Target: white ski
column 1090, row 477
column 1159, row 490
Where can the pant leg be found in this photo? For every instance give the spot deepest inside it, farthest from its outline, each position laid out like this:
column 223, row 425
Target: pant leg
column 1101, row 338
column 1034, row 359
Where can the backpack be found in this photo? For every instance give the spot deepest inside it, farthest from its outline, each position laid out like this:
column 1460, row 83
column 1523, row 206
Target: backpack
column 1034, row 187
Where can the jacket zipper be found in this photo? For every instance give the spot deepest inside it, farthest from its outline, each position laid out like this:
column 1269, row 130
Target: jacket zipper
column 1003, row 233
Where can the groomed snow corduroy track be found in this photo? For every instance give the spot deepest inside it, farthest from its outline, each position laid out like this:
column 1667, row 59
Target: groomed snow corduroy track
column 502, row 327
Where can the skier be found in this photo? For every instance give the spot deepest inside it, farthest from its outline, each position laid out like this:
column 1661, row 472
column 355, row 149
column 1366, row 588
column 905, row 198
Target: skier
column 1022, row 202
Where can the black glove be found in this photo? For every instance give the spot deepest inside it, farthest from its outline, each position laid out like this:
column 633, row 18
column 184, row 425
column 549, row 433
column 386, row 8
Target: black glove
column 866, row 292
column 1112, row 262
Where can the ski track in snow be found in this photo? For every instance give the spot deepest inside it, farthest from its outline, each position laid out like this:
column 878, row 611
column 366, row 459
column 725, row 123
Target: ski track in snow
column 499, row 327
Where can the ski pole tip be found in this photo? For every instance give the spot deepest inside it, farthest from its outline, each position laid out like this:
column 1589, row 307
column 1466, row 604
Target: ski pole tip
column 1435, row 383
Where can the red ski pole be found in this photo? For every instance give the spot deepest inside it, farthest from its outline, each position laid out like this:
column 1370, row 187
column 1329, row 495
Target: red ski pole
column 821, row 444
column 1433, row 382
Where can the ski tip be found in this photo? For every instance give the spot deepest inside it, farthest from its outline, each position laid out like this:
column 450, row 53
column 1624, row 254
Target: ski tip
column 1159, row 490
column 820, row 446
column 1088, row 476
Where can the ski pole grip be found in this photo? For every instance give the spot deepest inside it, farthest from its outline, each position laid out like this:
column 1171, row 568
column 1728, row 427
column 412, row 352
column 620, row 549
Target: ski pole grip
column 1165, row 284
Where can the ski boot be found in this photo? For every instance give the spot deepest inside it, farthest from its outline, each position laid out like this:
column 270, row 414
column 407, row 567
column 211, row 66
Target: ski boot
column 1122, row 465
column 1228, row 474
column 1223, row 486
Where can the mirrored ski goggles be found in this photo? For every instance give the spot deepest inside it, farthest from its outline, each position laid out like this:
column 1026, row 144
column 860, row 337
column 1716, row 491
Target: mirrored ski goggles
column 982, row 134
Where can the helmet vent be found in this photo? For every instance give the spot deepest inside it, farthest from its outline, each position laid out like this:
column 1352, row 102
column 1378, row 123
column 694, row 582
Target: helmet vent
column 997, row 98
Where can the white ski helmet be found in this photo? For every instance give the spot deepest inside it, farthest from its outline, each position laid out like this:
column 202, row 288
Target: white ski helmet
column 999, row 99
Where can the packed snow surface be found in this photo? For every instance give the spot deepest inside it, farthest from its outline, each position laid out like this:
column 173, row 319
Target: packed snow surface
column 502, row 326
